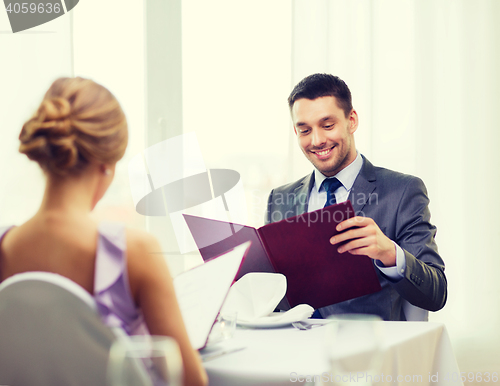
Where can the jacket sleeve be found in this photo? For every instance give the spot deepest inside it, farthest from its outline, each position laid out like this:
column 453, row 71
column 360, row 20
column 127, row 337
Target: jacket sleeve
column 424, row 284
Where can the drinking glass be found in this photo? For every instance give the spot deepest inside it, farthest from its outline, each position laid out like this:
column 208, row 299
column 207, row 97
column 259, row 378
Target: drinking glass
column 224, row 327
column 144, row 360
column 354, row 349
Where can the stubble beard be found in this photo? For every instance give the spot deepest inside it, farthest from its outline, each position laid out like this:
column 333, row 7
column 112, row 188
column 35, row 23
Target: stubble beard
column 333, row 165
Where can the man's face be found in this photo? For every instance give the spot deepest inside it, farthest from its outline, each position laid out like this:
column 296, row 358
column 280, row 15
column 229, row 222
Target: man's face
column 324, row 133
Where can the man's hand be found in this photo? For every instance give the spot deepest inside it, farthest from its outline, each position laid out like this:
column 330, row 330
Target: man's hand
column 366, row 238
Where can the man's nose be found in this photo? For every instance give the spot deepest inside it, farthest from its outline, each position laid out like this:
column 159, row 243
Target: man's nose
column 318, row 138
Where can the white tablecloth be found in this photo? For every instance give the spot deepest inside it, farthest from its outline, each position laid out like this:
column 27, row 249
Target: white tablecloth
column 415, row 353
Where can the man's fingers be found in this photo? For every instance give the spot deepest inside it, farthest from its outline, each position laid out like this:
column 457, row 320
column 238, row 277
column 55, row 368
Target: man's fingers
column 361, row 251
column 357, row 221
column 346, row 235
column 355, row 244
column 351, row 234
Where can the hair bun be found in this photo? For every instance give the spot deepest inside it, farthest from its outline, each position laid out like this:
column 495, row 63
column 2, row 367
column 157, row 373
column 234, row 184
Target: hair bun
column 54, row 114
column 77, row 123
column 54, row 109
column 47, row 137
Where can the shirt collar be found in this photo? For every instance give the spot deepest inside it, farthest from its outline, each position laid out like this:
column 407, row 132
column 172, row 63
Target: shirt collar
column 347, row 175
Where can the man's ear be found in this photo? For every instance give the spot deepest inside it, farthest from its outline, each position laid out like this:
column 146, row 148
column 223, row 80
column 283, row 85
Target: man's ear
column 294, row 130
column 353, row 121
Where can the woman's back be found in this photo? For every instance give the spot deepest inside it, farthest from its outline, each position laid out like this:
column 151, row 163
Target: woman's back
column 52, row 243
column 95, row 257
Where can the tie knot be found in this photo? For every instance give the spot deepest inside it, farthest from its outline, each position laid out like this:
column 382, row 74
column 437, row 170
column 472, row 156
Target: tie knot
column 332, row 184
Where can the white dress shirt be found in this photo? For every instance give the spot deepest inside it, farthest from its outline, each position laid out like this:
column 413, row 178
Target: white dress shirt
column 347, row 176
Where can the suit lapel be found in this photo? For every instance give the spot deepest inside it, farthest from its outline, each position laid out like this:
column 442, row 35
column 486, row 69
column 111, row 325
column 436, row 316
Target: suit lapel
column 364, row 185
column 301, row 194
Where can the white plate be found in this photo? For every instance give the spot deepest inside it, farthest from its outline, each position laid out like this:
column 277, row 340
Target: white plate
column 281, row 319
column 269, row 322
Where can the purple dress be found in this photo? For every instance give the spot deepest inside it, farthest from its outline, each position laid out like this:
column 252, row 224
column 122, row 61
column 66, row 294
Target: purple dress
column 111, row 286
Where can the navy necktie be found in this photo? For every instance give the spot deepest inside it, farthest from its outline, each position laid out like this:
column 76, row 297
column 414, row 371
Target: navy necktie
column 331, row 185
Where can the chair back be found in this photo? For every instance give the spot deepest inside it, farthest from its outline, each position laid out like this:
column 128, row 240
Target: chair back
column 50, row 333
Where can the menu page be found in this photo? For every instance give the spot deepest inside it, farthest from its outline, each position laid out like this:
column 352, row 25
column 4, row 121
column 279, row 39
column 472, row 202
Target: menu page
column 201, row 291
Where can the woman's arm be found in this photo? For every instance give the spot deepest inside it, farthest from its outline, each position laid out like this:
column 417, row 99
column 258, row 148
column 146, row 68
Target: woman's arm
column 153, row 291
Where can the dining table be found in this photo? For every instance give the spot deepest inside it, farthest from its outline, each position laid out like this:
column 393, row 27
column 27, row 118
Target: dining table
column 411, row 353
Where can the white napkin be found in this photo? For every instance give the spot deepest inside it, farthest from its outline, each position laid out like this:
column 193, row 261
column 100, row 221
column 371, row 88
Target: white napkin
column 295, row 314
column 255, row 296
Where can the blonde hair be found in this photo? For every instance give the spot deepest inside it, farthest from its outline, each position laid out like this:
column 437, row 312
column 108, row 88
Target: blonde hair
column 78, row 122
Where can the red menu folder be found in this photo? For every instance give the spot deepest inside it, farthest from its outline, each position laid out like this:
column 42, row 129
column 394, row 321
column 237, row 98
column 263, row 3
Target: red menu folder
column 299, row 248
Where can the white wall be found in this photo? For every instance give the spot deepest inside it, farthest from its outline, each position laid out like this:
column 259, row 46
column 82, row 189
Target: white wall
column 236, row 79
column 30, row 62
column 109, row 48
column 100, row 46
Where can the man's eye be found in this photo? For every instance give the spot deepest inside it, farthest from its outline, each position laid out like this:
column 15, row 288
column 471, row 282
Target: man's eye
column 304, row 131
column 329, row 126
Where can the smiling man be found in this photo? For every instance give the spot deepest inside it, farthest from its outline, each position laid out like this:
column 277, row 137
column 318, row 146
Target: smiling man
column 392, row 223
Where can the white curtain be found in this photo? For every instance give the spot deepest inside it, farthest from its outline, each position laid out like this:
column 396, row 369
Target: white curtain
column 425, row 82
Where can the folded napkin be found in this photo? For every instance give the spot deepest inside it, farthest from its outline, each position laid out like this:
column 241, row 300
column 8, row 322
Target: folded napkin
column 295, row 314
column 255, row 296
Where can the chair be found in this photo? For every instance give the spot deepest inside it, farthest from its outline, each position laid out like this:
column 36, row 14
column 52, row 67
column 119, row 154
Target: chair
column 50, row 333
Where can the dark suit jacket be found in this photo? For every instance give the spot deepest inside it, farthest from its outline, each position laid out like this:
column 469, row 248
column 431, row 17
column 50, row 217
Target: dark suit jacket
column 399, row 205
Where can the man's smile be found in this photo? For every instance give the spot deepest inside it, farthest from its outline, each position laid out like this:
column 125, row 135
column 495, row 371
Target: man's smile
column 323, row 153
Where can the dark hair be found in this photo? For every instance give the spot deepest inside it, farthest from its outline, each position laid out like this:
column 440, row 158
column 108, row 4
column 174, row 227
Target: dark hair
column 321, row 85
column 78, row 122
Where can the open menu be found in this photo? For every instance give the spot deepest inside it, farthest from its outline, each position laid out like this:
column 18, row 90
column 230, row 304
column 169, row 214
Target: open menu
column 298, row 247
column 201, row 291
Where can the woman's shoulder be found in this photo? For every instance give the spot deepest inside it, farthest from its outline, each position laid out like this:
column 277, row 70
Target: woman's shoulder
column 144, row 255
column 140, row 241
column 145, row 261
column 133, row 239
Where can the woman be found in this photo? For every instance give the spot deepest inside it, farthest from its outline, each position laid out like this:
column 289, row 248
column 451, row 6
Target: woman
column 77, row 135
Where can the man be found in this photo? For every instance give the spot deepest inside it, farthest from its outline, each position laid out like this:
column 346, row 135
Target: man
column 392, row 217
